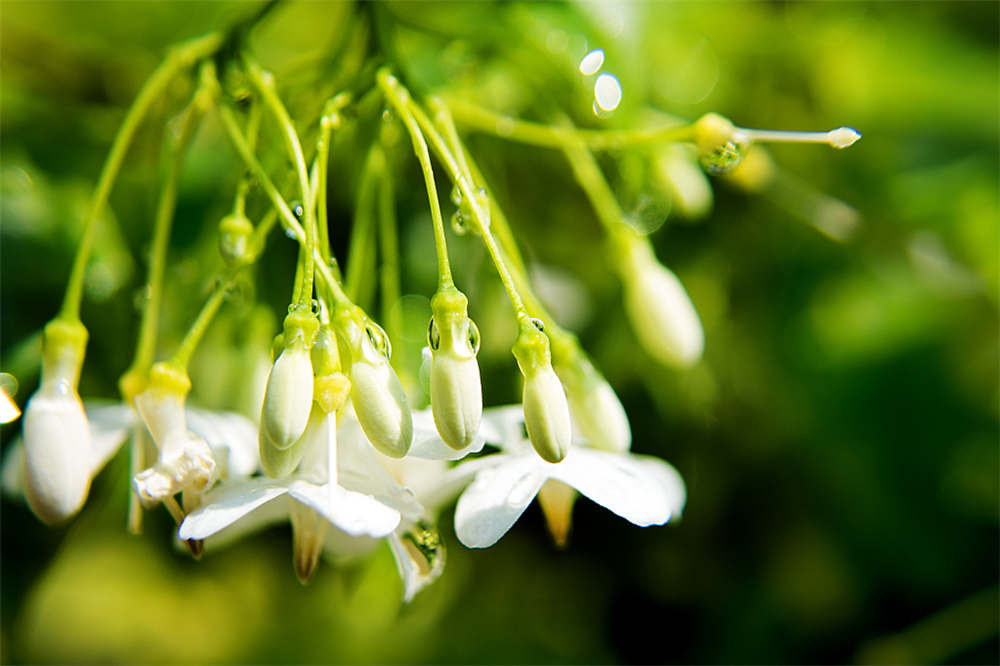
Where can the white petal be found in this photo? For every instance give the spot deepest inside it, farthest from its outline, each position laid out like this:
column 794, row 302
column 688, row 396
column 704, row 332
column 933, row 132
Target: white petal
column 643, row 490
column 427, row 443
column 354, row 513
column 358, row 469
column 339, row 546
column 265, row 515
column 414, row 568
column 228, row 431
column 109, row 428
column 496, row 499
column 226, row 504
column 504, row 426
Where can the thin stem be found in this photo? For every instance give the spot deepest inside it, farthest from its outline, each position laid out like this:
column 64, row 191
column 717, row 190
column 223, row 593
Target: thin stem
column 508, row 127
column 465, row 187
column 264, row 84
column 191, row 339
column 285, row 215
column 145, row 347
column 359, row 251
column 389, row 242
column 399, row 99
column 152, row 90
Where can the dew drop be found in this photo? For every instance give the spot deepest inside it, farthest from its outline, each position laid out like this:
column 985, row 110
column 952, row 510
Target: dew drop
column 290, row 233
column 592, row 62
column 723, row 159
column 297, row 210
column 458, row 223
column 537, row 323
column 387, row 115
column 473, row 337
column 433, row 336
column 456, row 195
column 607, row 92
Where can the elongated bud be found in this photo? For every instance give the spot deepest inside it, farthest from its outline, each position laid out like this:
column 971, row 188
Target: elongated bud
column 661, row 313
column 289, row 393
column 185, row 461
column 57, row 456
column 678, row 171
column 456, row 390
column 595, row 408
column 546, row 411
column 378, row 397
column 234, row 239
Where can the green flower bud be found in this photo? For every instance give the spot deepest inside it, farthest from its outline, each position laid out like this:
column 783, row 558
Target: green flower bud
column 455, row 385
column 289, row 394
column 546, row 411
column 235, row 232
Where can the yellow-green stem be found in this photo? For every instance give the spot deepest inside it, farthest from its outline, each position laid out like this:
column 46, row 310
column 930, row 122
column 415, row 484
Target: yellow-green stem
column 179, row 58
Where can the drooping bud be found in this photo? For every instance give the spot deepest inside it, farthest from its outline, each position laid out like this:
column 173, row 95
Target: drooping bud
column 378, row 397
column 185, row 461
column 720, row 146
column 455, row 388
column 57, row 454
column 289, row 394
column 546, row 411
column 593, row 404
column 660, row 311
column 235, row 231
column 677, row 170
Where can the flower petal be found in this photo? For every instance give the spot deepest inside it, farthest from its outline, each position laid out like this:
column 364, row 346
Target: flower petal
column 227, row 504
column 109, row 428
column 230, row 432
column 427, row 443
column 352, row 512
column 496, row 499
column 418, row 566
column 642, row 489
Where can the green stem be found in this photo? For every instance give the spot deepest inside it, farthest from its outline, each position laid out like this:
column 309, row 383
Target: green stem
column 285, row 215
column 464, row 185
column 399, row 98
column 145, row 347
column 535, row 134
column 264, row 83
column 179, row 58
column 389, row 242
column 362, row 232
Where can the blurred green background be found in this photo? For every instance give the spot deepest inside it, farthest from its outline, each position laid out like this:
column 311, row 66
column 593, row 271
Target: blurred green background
column 839, row 440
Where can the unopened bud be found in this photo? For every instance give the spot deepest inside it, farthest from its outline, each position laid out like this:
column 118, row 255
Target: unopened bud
column 593, row 404
column 661, row 313
column 289, row 394
column 455, row 385
column 235, row 232
column 678, row 171
column 546, row 411
column 376, row 394
column 57, row 455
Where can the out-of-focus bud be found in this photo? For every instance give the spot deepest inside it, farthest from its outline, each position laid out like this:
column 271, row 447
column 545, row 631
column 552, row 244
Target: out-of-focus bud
column 677, row 169
column 57, row 454
column 456, row 391
column 289, row 394
column 593, row 404
column 235, row 231
column 546, row 411
column 720, row 144
column 185, row 461
column 378, row 397
column 755, row 172
column 661, row 313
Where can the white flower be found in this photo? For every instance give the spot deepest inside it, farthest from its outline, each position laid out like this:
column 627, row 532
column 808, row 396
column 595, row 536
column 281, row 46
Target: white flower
column 321, row 493
column 642, row 489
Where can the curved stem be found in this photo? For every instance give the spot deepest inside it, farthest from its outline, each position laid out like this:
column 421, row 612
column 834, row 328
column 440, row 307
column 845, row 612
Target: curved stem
column 264, row 84
column 181, row 57
column 514, row 129
column 399, row 99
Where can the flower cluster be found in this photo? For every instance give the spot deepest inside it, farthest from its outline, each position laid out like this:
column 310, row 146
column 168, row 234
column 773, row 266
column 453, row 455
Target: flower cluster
column 334, row 447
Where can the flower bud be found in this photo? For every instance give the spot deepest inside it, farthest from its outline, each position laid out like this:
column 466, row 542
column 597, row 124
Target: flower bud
column 235, row 232
column 455, row 388
column 185, row 461
column 376, row 394
column 662, row 315
column 677, row 170
column 720, row 143
column 289, row 394
column 593, row 404
column 546, row 411
column 57, row 453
